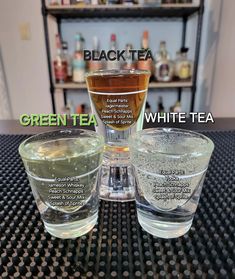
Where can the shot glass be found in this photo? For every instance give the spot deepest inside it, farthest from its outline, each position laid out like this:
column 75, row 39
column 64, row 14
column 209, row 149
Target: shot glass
column 170, row 166
column 118, row 101
column 63, row 169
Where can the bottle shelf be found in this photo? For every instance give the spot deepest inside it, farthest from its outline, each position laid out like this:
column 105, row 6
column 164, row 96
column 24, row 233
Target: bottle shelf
column 152, row 85
column 165, row 12
column 106, row 11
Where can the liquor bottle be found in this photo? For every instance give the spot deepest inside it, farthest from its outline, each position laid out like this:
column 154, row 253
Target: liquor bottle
column 129, row 63
column 95, row 65
column 79, row 65
column 128, row 2
column 177, row 107
column 102, row 2
column 145, row 64
column 78, row 2
column 176, row 63
column 168, row 1
column 113, row 65
column 147, row 107
column 69, row 108
column 164, row 67
column 66, row 2
column 184, row 1
column 113, row 2
column 160, row 106
column 151, row 2
column 162, row 50
column 68, row 58
column 60, row 63
column 83, row 109
column 183, row 66
column 55, row 2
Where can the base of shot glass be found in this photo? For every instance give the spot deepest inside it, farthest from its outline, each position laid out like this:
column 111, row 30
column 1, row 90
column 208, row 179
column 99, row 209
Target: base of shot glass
column 117, row 183
column 163, row 229
column 72, row 229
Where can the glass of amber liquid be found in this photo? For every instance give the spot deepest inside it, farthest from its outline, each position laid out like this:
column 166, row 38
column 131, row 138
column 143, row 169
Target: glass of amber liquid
column 118, row 100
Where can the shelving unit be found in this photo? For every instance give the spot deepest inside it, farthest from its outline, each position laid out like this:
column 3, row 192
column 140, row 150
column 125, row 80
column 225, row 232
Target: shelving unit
column 166, row 10
column 184, row 11
column 152, row 85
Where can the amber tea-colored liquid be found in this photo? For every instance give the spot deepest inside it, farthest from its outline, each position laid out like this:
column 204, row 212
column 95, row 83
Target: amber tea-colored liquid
column 118, row 98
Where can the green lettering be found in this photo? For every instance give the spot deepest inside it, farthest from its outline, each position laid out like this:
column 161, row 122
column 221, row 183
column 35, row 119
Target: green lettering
column 62, row 119
column 35, row 120
column 25, row 120
column 74, row 117
column 52, row 120
column 92, row 120
column 83, row 119
column 43, row 119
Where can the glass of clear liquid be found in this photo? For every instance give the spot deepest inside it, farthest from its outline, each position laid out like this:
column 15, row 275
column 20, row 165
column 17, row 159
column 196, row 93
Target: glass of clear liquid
column 118, row 101
column 63, row 169
column 170, row 166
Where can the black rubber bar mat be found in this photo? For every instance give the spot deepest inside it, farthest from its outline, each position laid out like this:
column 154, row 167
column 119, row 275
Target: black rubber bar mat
column 117, row 247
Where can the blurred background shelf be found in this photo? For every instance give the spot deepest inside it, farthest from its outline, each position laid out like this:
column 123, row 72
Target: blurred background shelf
column 152, row 85
column 91, row 11
column 180, row 11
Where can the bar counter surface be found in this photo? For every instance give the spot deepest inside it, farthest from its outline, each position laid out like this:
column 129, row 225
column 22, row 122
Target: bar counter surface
column 118, row 247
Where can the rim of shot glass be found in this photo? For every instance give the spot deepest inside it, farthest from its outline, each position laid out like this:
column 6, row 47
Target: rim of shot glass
column 117, row 73
column 64, row 134
column 135, row 140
